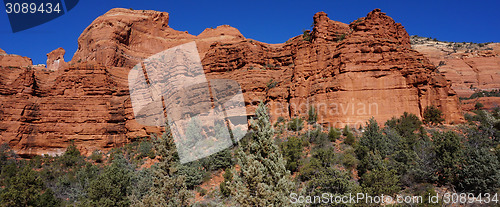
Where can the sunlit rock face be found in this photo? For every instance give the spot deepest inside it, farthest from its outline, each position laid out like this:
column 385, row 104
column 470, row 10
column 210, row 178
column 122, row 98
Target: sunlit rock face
column 349, row 72
column 469, row 66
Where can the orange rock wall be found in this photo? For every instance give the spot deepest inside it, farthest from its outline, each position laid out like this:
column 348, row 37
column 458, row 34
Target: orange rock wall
column 348, row 72
column 468, row 66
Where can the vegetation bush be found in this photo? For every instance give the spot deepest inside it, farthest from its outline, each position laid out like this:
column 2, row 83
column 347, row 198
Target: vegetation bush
column 112, row 186
column 397, row 143
column 71, row 156
column 478, row 105
column 292, row 152
column 25, row 188
column 228, row 177
column 400, row 155
column 480, row 172
column 426, row 191
column 433, row 116
column 341, row 37
column 348, row 159
column 321, row 158
column 262, row 168
column 145, row 149
column 333, row 134
column 312, row 115
column 202, row 191
column 193, row 133
column 296, row 124
column 193, row 174
column 333, row 181
column 408, row 126
column 350, row 139
column 423, row 167
column 220, row 160
column 380, row 180
column 96, row 156
column 280, row 119
column 309, row 169
column 478, row 94
column 316, row 137
column 306, row 35
column 277, row 125
column 271, row 84
column 168, row 187
column 449, row 154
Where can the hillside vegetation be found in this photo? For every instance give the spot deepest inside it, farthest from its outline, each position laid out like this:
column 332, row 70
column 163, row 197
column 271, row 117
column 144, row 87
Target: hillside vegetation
column 403, row 157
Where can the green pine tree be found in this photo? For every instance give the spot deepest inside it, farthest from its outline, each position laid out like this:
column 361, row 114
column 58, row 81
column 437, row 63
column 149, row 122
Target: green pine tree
column 349, row 136
column 433, row 116
column 111, row 187
column 449, row 155
column 292, row 151
column 168, row 189
column 381, row 180
column 333, row 134
column 26, row 188
column 263, row 179
column 312, row 115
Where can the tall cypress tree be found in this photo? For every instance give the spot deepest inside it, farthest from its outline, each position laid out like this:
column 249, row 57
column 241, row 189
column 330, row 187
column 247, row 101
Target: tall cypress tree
column 168, row 188
column 263, row 179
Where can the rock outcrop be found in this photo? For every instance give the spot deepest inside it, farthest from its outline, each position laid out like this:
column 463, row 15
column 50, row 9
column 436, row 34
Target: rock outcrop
column 124, row 37
column 469, row 66
column 55, row 59
column 42, row 111
column 10, row 60
column 348, row 72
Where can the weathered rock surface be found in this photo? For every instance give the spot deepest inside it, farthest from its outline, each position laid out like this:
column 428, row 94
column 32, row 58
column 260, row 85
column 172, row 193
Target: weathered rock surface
column 468, row 66
column 11, row 60
column 124, row 37
column 348, row 72
column 489, row 103
column 42, row 111
column 55, row 59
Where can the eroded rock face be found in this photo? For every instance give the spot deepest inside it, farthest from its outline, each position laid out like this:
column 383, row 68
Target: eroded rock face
column 468, row 66
column 350, row 73
column 55, row 59
column 42, row 111
column 326, row 30
column 124, row 37
column 489, row 103
column 10, row 60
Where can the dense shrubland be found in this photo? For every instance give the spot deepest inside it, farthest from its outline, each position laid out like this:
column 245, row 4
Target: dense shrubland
column 403, row 156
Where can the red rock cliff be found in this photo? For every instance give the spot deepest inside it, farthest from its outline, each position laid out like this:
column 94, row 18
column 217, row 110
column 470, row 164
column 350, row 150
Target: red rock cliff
column 348, row 72
column 469, row 66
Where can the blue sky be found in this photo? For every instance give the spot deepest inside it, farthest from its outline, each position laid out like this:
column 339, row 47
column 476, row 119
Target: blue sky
column 270, row 21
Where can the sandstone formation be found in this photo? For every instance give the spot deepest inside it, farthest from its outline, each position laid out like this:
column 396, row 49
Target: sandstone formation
column 9, row 60
column 348, row 72
column 55, row 59
column 123, row 37
column 468, row 66
column 42, row 111
column 489, row 103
